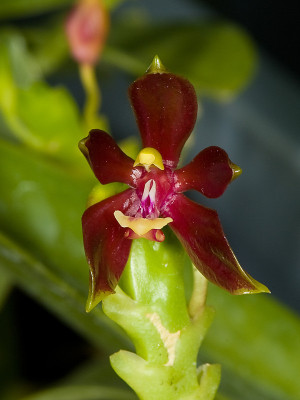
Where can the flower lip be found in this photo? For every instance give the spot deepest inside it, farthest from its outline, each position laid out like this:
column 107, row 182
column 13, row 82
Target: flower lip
column 155, row 235
column 141, row 226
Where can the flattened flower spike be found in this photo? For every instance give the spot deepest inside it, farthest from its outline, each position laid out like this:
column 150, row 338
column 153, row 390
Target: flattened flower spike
column 165, row 106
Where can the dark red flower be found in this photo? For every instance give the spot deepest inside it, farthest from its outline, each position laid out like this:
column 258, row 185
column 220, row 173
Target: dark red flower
column 165, row 106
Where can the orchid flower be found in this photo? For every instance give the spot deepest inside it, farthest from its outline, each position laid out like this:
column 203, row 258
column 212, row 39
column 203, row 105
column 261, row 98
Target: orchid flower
column 165, row 106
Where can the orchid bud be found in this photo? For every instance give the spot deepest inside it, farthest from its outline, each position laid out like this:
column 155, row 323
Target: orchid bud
column 86, row 30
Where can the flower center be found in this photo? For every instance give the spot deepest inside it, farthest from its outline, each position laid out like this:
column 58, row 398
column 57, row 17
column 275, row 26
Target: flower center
column 145, row 221
column 147, row 207
column 147, row 215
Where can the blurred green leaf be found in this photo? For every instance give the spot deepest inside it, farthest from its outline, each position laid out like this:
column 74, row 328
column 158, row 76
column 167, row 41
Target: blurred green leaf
column 48, row 43
column 58, row 296
column 5, row 287
column 40, row 208
column 13, row 50
column 221, row 397
column 26, row 8
column 43, row 117
column 96, row 371
column 218, row 57
column 93, row 379
column 77, row 392
column 51, row 116
column 256, row 339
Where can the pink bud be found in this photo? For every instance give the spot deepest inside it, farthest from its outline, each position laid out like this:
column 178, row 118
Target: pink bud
column 86, row 30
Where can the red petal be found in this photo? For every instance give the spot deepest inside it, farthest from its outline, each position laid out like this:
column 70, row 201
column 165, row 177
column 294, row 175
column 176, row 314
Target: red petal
column 200, row 232
column 106, row 159
column 165, row 106
column 106, row 248
column 209, row 172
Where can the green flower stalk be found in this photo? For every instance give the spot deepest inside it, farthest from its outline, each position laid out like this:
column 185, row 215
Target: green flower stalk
column 146, row 245
column 92, row 92
column 86, row 30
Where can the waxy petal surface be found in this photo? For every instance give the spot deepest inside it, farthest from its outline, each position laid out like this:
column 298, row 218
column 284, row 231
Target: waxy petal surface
column 199, row 230
column 210, row 173
column 165, row 107
column 107, row 160
column 106, row 248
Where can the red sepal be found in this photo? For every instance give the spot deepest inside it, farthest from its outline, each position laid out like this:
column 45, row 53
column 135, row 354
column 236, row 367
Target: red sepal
column 209, row 172
column 107, row 160
column 106, row 248
column 165, row 107
column 199, row 230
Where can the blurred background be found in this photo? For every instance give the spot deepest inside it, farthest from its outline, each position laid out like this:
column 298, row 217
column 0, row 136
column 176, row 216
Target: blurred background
column 243, row 59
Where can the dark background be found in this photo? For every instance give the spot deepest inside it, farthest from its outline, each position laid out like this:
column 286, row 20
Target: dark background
column 274, row 25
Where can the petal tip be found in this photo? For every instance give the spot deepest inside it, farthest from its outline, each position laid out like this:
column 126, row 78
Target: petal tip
column 95, row 298
column 236, row 171
column 257, row 288
column 156, row 67
column 82, row 146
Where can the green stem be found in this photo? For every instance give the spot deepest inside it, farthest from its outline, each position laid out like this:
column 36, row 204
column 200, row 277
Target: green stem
column 92, row 92
column 165, row 324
